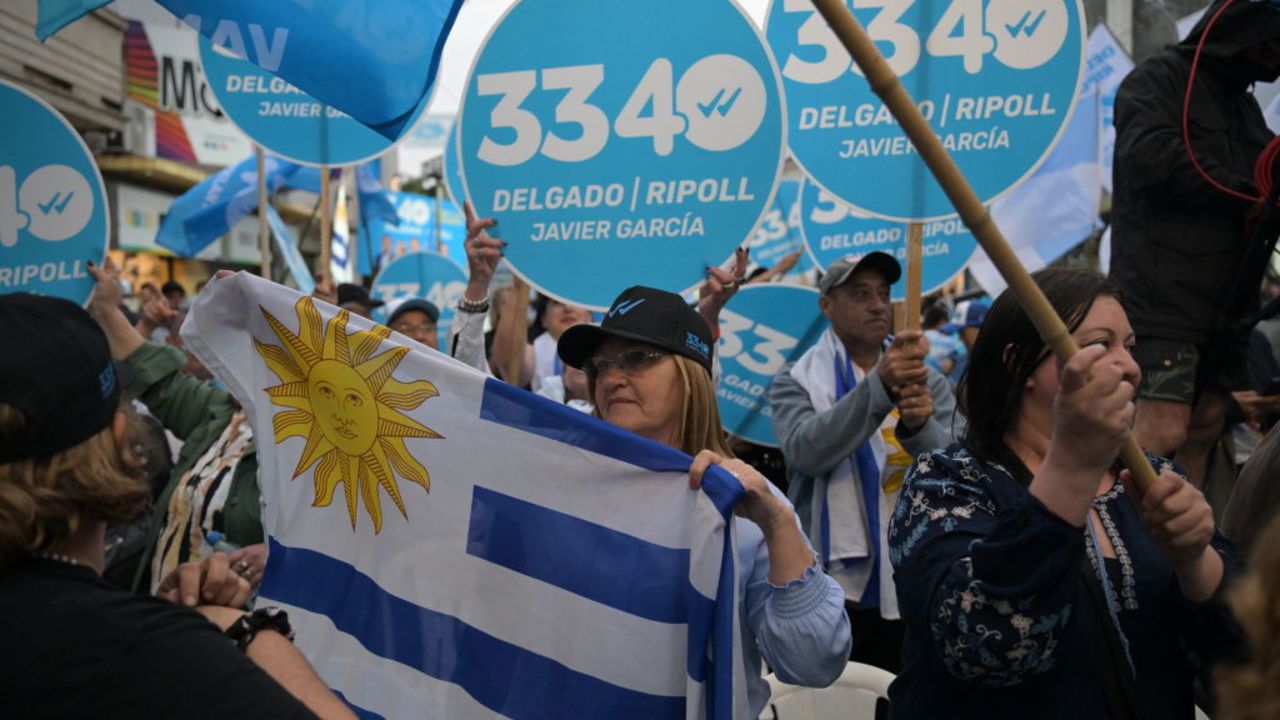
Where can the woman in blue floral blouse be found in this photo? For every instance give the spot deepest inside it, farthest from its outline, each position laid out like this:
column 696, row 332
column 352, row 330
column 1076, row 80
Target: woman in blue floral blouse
column 1035, row 581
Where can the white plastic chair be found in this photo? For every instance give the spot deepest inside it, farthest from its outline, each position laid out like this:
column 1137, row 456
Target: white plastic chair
column 852, row 696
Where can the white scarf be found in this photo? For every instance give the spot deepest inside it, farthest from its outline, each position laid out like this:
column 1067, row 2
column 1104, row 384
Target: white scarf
column 848, row 559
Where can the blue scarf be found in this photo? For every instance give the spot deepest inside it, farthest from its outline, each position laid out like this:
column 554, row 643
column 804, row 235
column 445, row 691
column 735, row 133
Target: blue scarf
column 869, row 478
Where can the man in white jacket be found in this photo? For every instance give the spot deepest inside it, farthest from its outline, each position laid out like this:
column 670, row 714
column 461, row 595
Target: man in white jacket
column 851, row 415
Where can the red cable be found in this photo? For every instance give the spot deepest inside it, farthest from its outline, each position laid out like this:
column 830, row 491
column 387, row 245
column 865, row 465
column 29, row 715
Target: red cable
column 1262, row 176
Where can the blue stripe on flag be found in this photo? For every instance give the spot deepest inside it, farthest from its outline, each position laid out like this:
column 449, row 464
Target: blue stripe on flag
column 521, row 410
column 594, row 562
column 359, row 711
column 579, row 556
column 503, row 677
column 720, row 684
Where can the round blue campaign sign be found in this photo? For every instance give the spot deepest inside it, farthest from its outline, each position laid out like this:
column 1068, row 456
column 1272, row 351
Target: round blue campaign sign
column 279, row 116
column 621, row 143
column 997, row 80
column 452, row 178
column 53, row 208
column 778, row 234
column 832, row 230
column 762, row 328
column 422, row 275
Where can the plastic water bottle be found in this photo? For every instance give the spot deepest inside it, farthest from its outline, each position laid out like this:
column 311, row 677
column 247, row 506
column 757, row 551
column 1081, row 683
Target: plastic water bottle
column 217, row 542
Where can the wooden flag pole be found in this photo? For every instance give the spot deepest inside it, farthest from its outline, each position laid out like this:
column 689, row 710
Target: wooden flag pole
column 915, row 268
column 439, row 217
column 886, row 85
column 264, row 231
column 326, row 221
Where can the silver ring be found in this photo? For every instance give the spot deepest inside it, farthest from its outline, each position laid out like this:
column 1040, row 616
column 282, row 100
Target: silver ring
column 242, row 566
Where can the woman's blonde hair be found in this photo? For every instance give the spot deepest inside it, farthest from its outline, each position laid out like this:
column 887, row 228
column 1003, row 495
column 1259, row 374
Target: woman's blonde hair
column 1251, row 691
column 699, row 427
column 44, row 500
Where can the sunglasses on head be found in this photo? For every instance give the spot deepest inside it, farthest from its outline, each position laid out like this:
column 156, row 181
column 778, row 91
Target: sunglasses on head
column 629, row 362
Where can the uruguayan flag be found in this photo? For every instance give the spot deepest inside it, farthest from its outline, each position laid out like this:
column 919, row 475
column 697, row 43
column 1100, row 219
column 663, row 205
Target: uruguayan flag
column 448, row 546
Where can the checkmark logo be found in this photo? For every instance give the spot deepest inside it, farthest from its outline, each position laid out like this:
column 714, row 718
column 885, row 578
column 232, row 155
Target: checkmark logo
column 708, row 108
column 1026, row 25
column 728, row 103
column 45, row 207
column 625, row 307
column 717, row 107
column 54, row 205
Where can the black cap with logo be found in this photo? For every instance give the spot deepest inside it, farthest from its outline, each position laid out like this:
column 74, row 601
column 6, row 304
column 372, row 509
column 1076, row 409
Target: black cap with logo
column 56, row 369
column 648, row 315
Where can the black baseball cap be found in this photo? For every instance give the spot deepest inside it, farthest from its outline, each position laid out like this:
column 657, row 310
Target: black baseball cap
column 349, row 292
column 646, row 314
column 57, row 370
column 840, row 270
column 423, row 306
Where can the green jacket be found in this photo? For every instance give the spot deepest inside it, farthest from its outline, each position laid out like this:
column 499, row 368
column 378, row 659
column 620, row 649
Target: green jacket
column 197, row 413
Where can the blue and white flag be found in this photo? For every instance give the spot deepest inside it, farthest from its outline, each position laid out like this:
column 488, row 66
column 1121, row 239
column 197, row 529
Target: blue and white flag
column 448, row 546
column 1058, row 207
column 207, row 211
column 374, row 60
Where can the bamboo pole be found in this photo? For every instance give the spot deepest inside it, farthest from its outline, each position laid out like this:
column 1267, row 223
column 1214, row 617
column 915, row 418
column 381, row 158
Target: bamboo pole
column 326, row 222
column 915, row 268
column 264, row 232
column 978, row 219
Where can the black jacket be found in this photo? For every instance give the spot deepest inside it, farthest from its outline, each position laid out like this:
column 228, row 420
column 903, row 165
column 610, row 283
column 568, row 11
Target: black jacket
column 1178, row 242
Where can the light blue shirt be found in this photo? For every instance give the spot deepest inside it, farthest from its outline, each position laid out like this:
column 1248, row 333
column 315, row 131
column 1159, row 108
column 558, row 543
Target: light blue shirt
column 800, row 629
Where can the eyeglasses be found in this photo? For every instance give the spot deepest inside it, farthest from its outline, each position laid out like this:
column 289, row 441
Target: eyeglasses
column 406, row 329
column 628, row 363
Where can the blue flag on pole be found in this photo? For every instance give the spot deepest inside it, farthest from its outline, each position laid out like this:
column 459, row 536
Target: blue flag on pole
column 53, row 15
column 375, row 204
column 375, row 60
column 376, row 210
column 449, row 546
column 207, row 211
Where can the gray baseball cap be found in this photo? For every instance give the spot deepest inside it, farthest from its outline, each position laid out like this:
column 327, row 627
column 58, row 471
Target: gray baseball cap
column 841, row 269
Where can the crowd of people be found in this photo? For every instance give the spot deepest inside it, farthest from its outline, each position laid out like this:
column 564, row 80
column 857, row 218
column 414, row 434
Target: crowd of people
column 947, row 503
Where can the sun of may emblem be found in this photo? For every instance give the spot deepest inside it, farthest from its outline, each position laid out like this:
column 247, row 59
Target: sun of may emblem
column 343, row 400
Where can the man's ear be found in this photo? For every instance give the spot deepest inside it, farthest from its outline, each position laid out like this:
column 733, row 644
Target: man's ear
column 824, row 304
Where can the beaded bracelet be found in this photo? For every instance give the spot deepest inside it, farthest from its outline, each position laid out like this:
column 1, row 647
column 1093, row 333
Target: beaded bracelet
column 473, row 306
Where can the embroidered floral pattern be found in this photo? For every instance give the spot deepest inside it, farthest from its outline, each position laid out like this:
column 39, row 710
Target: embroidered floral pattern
column 993, row 639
